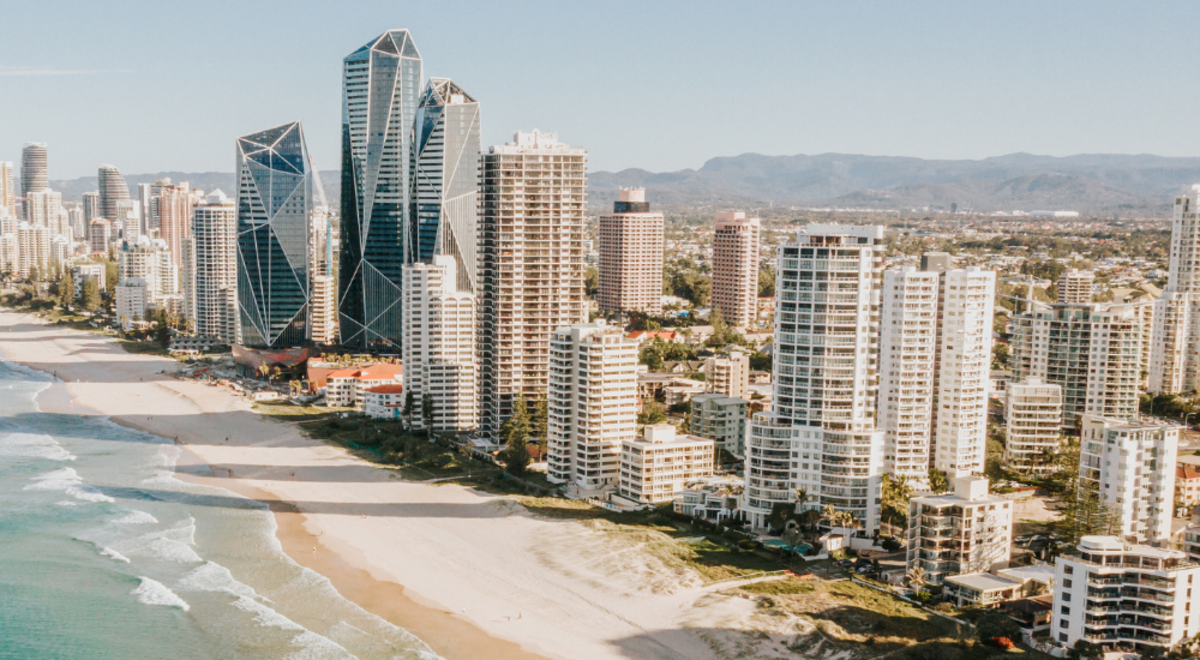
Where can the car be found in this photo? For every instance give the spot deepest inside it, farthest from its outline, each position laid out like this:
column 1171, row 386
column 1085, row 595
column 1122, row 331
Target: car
column 845, row 563
column 1021, row 540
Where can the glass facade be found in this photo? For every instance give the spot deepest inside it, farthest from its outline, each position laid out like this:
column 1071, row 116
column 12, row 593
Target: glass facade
column 380, row 93
column 275, row 185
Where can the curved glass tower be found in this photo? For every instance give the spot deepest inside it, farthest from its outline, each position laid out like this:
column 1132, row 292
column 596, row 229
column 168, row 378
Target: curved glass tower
column 274, row 197
column 380, row 92
column 113, row 189
column 444, row 204
column 35, row 176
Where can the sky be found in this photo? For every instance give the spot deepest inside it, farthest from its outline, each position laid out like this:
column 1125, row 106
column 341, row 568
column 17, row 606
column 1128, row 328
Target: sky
column 168, row 86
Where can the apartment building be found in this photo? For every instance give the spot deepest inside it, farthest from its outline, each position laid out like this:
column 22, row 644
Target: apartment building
column 82, row 272
column 735, row 268
column 963, row 371
column 631, row 255
column 1131, row 465
column 384, row 402
column 209, row 253
column 591, row 407
column 967, row 531
column 324, row 310
column 1124, row 596
column 345, row 387
column 658, row 466
column 820, row 434
column 908, row 350
column 1175, row 338
column 1075, row 286
column 721, row 419
column 1032, row 425
column 99, row 236
column 1187, row 485
column 728, row 372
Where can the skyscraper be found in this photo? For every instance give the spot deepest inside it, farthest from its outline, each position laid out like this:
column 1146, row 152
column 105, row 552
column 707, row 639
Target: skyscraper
column 735, row 268
column 530, row 266
column 34, row 173
column 112, row 190
column 275, row 183
column 380, row 93
column 631, row 255
column 91, row 207
column 210, row 289
column 8, row 196
column 820, row 435
column 1175, row 340
column 444, row 204
column 172, row 215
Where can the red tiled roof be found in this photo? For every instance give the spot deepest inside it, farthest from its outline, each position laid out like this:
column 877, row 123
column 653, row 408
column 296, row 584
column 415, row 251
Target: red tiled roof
column 1187, row 472
column 387, row 389
column 668, row 335
column 373, row 372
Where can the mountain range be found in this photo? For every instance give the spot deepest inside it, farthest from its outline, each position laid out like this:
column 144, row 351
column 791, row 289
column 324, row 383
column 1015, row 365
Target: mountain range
column 1098, row 183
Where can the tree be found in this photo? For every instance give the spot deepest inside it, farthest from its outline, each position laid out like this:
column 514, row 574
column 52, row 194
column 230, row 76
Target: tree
column 110, row 277
column 802, row 498
column 652, row 413
column 591, row 280
column 895, row 494
column 66, row 288
column 406, row 413
column 515, row 433
column 766, row 281
column 91, row 294
column 162, row 332
column 994, row 623
column 1086, row 650
column 938, row 481
column 720, row 327
column 427, row 413
column 538, row 423
column 916, row 578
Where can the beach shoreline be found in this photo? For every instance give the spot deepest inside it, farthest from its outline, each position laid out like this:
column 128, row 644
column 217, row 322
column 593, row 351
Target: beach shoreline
column 472, row 575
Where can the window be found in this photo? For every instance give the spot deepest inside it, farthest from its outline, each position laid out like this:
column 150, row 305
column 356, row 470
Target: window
column 1065, row 610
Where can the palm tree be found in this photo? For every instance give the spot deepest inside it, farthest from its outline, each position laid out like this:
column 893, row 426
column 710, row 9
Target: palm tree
column 802, row 498
column 916, row 578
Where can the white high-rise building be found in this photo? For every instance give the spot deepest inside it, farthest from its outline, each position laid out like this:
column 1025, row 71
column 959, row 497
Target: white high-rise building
column 324, row 310
column 967, row 531
column 150, row 261
column 735, row 268
column 439, row 344
column 129, row 219
column 1122, row 595
column 33, row 249
column 171, row 215
column 210, row 264
column 1175, row 340
column 1032, row 425
column 657, row 466
column 908, row 348
column 1131, row 465
column 592, row 406
column 1075, row 286
column 821, row 434
column 99, row 236
column 963, row 371
column 728, row 372
column 531, row 266
column 43, row 209
column 9, row 256
column 8, row 194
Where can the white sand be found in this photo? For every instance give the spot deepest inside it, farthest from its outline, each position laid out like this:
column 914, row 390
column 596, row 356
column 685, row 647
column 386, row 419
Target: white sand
column 552, row 586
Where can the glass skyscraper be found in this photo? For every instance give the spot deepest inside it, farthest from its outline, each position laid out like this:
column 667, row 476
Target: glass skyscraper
column 381, row 84
column 274, row 198
column 444, row 203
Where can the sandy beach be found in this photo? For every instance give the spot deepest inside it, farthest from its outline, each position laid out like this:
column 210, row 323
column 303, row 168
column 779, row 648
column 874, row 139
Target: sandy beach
column 473, row 575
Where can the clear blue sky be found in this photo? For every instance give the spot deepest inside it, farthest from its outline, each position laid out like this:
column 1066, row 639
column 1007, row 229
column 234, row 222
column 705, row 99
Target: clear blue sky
column 154, row 86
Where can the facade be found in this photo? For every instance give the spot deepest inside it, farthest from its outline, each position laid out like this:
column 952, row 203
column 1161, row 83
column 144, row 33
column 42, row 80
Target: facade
column 170, row 213
column 631, row 256
column 91, row 207
column 820, row 435
column 658, row 466
column 44, row 209
column 344, row 388
column 1131, row 465
column 113, row 189
column 443, row 214
column 33, row 248
column 531, row 266
column 1117, row 594
column 383, row 401
column 274, row 199
column 35, row 173
column 1093, row 351
column 1175, row 339
column 439, row 349
column 967, row 531
column 132, row 298
column 728, row 372
column 1075, row 286
column 381, row 87
column 963, row 370
column 210, row 268
column 591, row 407
column 722, row 419
column 735, row 268
column 1032, row 425
column 324, row 310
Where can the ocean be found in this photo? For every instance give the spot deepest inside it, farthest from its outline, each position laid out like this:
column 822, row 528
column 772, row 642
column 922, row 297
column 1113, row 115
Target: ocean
column 105, row 554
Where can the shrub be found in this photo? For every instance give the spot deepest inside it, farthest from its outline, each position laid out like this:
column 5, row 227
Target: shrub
column 1002, row 643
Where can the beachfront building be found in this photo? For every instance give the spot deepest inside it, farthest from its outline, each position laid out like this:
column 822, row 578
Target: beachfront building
column 1093, row 351
column 735, row 268
column 631, row 255
column 384, row 402
column 132, row 298
column 344, row 388
column 1118, row 594
column 439, row 344
column 324, row 310
column 82, row 272
column 712, row 498
column 1075, row 286
column 591, row 407
column 728, row 372
column 657, row 466
column 381, row 85
column 966, row 531
column 1032, row 425
column 721, row 419
column 9, row 258
column 820, row 435
column 149, row 260
column 170, row 213
column 531, row 267
column 33, row 249
column 1175, row 339
column 1131, row 465
column 210, row 268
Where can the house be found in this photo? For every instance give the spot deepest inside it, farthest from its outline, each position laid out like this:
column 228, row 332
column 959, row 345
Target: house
column 1187, row 484
column 344, row 388
column 647, row 335
column 713, row 499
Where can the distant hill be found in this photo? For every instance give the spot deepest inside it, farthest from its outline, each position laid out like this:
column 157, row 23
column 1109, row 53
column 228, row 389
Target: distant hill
column 73, row 189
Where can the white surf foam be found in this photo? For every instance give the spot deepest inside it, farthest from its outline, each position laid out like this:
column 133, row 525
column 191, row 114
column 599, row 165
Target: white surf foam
column 314, row 646
column 153, row 592
column 68, row 481
column 215, row 577
column 135, row 517
column 114, row 555
column 33, row 445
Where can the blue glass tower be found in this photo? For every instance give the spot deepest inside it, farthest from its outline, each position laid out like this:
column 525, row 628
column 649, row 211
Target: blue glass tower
column 274, row 198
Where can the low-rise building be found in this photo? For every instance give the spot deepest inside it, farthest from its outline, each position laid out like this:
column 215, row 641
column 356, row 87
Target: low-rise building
column 721, row 419
column 713, row 499
column 1117, row 594
column 132, row 297
column 1187, row 485
column 728, row 372
column 1033, row 424
column 383, row 401
column 1131, row 465
column 967, row 531
column 984, row 589
column 659, row 465
column 344, row 388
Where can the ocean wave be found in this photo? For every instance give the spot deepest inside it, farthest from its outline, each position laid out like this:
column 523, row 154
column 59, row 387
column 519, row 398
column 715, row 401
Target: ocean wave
column 67, row 480
column 215, row 577
column 314, row 646
column 33, row 445
column 135, row 517
column 153, row 592
column 114, row 555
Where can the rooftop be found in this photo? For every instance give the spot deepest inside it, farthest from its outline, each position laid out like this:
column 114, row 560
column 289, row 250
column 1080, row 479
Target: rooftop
column 982, row 581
